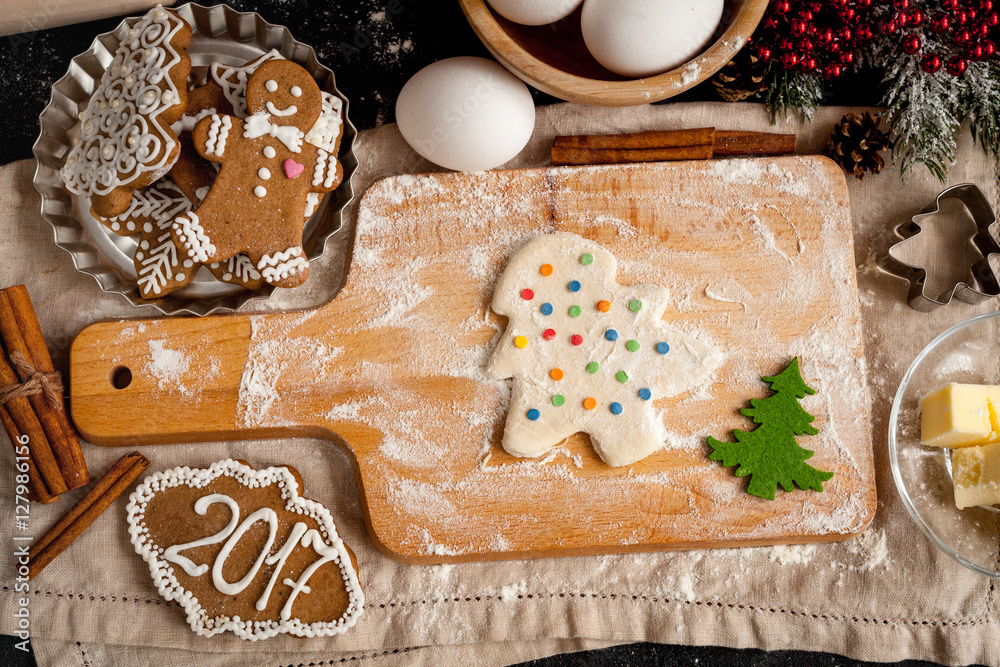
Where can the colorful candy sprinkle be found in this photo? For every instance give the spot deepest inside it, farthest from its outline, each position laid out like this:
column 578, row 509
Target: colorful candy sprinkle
column 586, row 259
column 558, row 400
column 546, row 309
column 574, row 311
column 635, row 305
column 616, row 408
column 611, row 335
column 573, row 286
column 632, row 345
column 534, row 414
column 662, row 348
column 545, row 269
column 621, row 376
column 603, row 306
column 521, row 342
column 589, row 403
column 556, row 374
column 576, row 339
column 549, row 334
column 527, row 294
column 593, row 367
column 645, row 394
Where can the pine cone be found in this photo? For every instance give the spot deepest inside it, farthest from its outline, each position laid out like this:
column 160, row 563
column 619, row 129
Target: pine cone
column 856, row 144
column 741, row 77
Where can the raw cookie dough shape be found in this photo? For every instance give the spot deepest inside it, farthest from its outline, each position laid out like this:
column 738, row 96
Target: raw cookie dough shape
column 587, row 354
column 242, row 550
column 257, row 201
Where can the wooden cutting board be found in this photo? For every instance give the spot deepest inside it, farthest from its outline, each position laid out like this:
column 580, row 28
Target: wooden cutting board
column 757, row 255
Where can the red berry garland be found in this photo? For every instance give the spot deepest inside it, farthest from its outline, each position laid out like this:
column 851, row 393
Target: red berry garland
column 825, row 37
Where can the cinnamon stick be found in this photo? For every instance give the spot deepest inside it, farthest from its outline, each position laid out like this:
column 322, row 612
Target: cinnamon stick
column 574, row 156
column 54, row 433
column 27, row 324
column 24, row 418
column 703, row 136
column 730, row 143
column 660, row 145
column 36, row 487
column 107, row 489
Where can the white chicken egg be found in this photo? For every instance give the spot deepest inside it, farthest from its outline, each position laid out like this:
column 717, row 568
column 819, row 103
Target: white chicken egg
column 639, row 38
column 466, row 113
column 534, row 12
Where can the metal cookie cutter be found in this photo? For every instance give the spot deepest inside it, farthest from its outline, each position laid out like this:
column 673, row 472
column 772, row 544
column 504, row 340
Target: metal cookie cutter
column 985, row 284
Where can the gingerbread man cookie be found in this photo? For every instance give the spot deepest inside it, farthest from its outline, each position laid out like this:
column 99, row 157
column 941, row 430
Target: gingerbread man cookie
column 267, row 172
column 125, row 141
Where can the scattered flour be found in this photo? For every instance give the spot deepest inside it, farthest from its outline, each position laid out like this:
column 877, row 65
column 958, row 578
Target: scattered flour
column 166, row 365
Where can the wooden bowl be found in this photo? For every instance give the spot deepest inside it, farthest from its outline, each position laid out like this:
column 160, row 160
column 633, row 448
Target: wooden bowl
column 554, row 58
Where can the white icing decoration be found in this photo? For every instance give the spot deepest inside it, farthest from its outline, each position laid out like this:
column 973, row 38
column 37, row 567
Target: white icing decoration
column 318, row 171
column 282, row 265
column 233, row 80
column 290, row 110
column 217, row 133
column 295, row 91
column 260, row 191
column 271, row 85
column 331, row 171
column 298, row 530
column 192, row 235
column 187, row 121
column 223, row 586
column 259, row 125
column 312, row 203
column 326, row 132
column 241, row 267
column 619, row 439
column 202, row 192
column 142, row 100
column 160, row 204
column 325, row 542
column 201, row 508
column 269, row 151
column 264, row 173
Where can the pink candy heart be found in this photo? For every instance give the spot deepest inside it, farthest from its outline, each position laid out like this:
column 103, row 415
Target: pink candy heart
column 293, row 168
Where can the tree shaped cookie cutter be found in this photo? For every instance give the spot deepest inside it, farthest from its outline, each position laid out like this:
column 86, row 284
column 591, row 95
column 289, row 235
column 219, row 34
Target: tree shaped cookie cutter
column 984, row 285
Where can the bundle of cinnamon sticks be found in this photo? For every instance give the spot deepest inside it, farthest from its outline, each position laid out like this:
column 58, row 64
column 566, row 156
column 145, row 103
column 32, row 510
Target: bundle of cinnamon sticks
column 32, row 408
column 659, row 145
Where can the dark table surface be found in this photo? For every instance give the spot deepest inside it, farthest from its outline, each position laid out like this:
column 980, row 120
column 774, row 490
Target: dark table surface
column 373, row 46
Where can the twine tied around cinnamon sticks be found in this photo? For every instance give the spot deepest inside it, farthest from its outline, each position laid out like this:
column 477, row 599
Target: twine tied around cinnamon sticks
column 32, row 382
column 32, row 411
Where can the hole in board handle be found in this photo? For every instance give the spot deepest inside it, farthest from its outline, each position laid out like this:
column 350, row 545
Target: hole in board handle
column 121, row 377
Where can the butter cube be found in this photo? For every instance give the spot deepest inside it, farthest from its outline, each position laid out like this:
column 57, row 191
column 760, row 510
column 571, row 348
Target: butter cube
column 976, row 473
column 960, row 415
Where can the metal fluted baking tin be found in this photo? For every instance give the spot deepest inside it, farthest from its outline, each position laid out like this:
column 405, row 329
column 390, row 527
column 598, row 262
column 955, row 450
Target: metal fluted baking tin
column 221, row 34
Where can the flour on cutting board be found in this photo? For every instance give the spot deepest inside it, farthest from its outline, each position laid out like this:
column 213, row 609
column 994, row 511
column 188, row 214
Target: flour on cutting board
column 167, row 366
column 424, row 307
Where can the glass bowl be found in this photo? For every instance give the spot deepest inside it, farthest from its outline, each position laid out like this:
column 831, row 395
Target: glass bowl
column 968, row 353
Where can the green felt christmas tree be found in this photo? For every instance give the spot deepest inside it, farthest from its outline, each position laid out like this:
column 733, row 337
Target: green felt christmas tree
column 770, row 453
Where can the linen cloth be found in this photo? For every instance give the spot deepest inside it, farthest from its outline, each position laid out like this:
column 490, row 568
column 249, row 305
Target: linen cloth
column 887, row 595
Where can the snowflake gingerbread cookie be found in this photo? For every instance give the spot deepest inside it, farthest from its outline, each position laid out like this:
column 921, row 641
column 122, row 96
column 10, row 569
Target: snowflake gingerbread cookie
column 125, row 141
column 242, row 550
column 587, row 354
column 267, row 172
